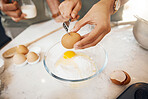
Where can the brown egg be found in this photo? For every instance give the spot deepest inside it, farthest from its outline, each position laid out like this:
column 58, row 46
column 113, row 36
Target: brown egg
column 32, row 57
column 21, row 49
column 120, row 77
column 68, row 40
column 19, row 59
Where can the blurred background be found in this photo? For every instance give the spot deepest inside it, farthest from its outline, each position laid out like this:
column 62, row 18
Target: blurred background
column 135, row 7
column 126, row 13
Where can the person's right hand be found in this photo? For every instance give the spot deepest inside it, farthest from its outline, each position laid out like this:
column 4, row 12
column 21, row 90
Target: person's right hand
column 70, row 8
column 99, row 16
column 12, row 9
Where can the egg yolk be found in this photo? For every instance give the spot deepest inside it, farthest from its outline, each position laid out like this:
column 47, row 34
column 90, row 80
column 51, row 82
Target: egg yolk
column 69, row 54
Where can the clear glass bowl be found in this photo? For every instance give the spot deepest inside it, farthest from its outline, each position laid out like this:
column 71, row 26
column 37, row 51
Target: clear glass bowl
column 97, row 53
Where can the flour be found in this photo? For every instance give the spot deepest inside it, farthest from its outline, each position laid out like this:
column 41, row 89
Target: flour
column 78, row 67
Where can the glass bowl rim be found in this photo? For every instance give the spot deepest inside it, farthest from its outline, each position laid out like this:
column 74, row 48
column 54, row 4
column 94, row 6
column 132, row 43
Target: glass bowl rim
column 76, row 80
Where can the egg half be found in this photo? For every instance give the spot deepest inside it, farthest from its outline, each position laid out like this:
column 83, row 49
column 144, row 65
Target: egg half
column 32, row 58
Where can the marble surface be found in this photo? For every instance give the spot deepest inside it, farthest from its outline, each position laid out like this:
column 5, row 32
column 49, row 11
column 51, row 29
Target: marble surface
column 33, row 82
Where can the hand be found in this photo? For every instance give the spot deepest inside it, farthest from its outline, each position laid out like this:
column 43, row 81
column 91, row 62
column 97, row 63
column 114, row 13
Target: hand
column 12, row 9
column 98, row 15
column 70, row 8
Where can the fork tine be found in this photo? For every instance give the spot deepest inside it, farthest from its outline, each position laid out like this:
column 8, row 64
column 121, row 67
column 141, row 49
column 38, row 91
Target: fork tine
column 65, row 27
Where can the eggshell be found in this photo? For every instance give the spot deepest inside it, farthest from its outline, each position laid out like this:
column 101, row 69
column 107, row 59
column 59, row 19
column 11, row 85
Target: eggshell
column 120, row 77
column 21, row 49
column 128, row 78
column 68, row 40
column 32, row 57
column 35, row 61
column 19, row 59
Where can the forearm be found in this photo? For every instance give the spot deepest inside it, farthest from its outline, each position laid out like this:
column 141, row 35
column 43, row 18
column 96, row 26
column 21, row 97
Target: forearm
column 53, row 5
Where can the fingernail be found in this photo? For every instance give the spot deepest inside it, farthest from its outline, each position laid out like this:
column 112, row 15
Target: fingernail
column 73, row 15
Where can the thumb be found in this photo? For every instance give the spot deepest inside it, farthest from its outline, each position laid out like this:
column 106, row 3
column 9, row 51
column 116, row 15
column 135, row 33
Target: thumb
column 79, row 24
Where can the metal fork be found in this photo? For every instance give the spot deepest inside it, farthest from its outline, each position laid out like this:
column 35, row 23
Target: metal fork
column 66, row 25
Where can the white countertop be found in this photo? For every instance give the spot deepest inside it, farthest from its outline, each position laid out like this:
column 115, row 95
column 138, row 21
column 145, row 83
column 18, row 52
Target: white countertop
column 33, row 82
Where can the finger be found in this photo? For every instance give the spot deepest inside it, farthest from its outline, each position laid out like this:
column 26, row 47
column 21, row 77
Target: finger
column 10, row 6
column 87, row 39
column 91, row 37
column 85, row 35
column 60, row 19
column 77, row 17
column 66, row 8
column 15, row 19
column 79, row 24
column 15, row 14
column 20, row 18
column 76, row 10
column 23, row 15
column 93, row 43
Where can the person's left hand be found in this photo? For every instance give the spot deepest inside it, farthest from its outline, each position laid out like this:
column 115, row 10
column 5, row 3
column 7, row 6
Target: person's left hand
column 12, row 9
column 98, row 15
column 70, row 8
column 56, row 7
